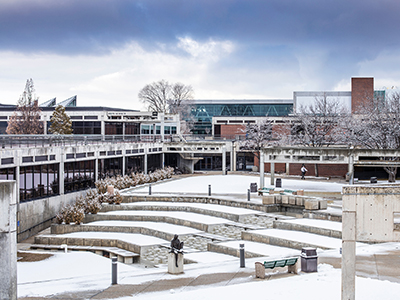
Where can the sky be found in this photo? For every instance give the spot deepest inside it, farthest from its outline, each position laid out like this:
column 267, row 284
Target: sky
column 106, row 51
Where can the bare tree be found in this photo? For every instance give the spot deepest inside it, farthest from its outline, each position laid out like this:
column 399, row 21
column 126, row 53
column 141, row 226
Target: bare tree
column 26, row 118
column 258, row 135
column 165, row 97
column 317, row 124
column 377, row 126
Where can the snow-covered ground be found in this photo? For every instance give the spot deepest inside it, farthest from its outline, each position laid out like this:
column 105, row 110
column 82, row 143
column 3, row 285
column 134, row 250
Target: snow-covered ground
column 233, row 184
column 83, row 271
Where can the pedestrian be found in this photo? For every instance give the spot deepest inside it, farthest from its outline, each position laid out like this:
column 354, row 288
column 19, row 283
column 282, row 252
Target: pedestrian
column 303, row 171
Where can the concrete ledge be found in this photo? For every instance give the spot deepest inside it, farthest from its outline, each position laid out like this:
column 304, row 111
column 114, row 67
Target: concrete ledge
column 182, row 207
column 123, row 256
column 209, row 200
column 216, row 247
column 271, row 240
column 305, row 228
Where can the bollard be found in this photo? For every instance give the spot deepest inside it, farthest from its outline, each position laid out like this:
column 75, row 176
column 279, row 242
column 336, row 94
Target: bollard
column 149, row 188
column 248, row 195
column 114, row 270
column 242, row 263
column 209, row 190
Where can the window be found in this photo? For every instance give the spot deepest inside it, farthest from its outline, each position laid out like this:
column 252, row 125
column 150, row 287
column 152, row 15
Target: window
column 78, row 175
column 38, row 181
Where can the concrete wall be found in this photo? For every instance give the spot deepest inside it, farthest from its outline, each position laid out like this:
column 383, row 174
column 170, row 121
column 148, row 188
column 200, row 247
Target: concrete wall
column 8, row 240
column 373, row 208
column 36, row 215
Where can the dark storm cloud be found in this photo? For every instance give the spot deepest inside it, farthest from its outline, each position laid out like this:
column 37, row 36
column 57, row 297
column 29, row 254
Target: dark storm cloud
column 78, row 26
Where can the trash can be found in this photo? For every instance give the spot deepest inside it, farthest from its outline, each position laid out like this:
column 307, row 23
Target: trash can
column 374, row 180
column 253, row 187
column 309, row 260
column 278, row 182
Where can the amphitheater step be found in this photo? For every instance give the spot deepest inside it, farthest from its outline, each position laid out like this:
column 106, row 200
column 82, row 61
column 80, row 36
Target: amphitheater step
column 291, row 239
column 321, row 227
column 252, row 249
column 122, row 255
column 226, row 212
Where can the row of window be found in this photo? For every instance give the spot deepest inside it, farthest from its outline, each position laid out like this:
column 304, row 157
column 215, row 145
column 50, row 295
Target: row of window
column 156, row 129
column 43, row 181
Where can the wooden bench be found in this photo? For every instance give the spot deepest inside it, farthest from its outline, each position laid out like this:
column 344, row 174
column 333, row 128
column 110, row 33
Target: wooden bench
column 122, row 255
column 290, row 262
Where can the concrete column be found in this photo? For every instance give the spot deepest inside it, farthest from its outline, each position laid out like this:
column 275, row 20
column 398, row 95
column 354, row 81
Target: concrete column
column 123, row 130
column 162, row 127
column 123, row 162
column 61, row 171
column 45, row 127
column 287, row 168
column 261, row 169
column 103, row 128
column 163, row 160
column 145, row 161
column 8, row 240
column 272, row 173
column 96, row 169
column 351, row 169
column 223, row 160
column 233, row 160
column 18, row 160
column 348, row 255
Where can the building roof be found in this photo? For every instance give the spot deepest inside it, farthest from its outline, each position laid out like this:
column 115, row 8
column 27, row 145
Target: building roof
column 244, row 101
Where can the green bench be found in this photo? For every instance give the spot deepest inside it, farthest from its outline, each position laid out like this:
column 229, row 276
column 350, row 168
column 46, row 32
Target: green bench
column 290, row 262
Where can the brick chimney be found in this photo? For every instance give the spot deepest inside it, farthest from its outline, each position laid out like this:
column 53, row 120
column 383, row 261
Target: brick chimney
column 362, row 92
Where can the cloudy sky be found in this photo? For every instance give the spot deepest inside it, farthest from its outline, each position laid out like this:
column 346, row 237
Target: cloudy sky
column 105, row 51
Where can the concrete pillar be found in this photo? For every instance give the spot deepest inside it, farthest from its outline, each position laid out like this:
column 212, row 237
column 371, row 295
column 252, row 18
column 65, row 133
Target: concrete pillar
column 8, row 240
column 123, row 162
column 61, row 171
column 123, row 130
column 233, row 160
column 162, row 126
column 103, row 128
column 261, row 169
column 145, row 162
column 96, row 169
column 349, row 233
column 223, row 160
column 351, row 169
column 163, row 160
column 272, row 173
column 287, row 168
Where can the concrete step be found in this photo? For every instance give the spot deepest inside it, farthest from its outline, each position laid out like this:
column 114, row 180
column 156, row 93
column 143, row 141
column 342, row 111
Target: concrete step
column 231, row 213
column 136, row 243
column 291, row 239
column 252, row 249
column 157, row 229
column 320, row 227
column 122, row 255
column 201, row 222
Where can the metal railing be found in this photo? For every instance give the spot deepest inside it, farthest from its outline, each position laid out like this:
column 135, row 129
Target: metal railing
column 34, row 141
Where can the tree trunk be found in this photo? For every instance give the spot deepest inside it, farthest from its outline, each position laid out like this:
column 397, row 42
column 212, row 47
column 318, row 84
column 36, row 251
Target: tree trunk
column 392, row 171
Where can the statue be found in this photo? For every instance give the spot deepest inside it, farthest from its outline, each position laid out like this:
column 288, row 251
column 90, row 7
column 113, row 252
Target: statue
column 176, row 247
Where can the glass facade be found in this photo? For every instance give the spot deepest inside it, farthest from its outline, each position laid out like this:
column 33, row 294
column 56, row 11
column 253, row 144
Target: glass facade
column 38, row 181
column 78, row 175
column 85, row 127
column 203, row 113
column 134, row 164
